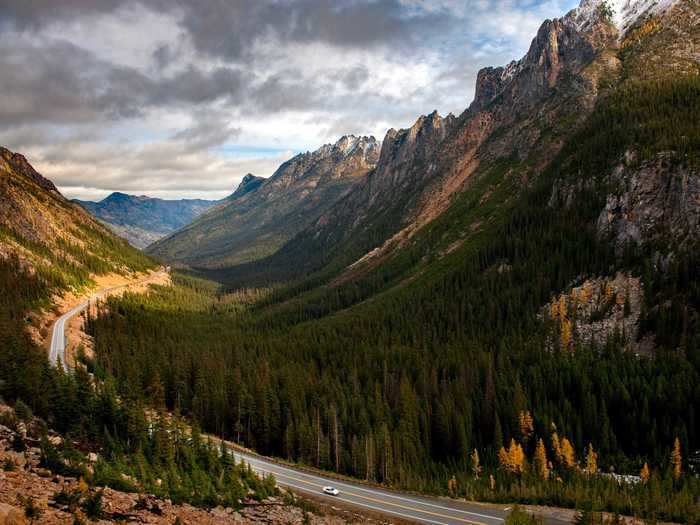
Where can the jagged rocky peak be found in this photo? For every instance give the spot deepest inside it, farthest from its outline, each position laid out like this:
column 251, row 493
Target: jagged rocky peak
column 624, row 14
column 347, row 146
column 426, row 132
column 248, row 178
column 20, row 164
column 249, row 183
column 351, row 145
column 567, row 43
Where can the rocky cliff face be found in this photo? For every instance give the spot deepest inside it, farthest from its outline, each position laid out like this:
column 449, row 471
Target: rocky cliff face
column 264, row 214
column 658, row 200
column 521, row 116
column 518, row 111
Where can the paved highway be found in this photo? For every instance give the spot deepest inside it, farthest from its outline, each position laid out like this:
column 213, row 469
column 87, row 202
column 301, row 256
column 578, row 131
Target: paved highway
column 57, row 350
column 417, row 509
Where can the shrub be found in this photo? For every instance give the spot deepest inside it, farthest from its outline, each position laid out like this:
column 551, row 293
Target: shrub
column 23, row 412
column 521, row 517
column 92, row 505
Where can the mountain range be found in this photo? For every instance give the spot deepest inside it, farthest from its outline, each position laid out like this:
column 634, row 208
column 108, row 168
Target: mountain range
column 263, row 215
column 143, row 220
column 303, row 221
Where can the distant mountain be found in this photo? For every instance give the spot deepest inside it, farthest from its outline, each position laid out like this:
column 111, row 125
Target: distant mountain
column 143, row 220
column 54, row 238
column 264, row 214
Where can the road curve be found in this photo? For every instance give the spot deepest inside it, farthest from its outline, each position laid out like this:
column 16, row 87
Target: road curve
column 57, row 349
column 418, row 509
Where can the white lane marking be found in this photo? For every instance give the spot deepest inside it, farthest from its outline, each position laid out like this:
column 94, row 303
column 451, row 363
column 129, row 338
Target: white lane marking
column 375, row 492
column 365, row 505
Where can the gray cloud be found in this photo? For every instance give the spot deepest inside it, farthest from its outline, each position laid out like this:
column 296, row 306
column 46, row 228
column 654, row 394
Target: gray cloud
column 229, row 29
column 56, row 81
column 190, row 79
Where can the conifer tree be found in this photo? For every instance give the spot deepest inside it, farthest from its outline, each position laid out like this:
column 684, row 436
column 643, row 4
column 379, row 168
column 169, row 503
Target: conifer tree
column 567, row 453
column 541, row 464
column 591, row 460
column 476, row 464
column 676, row 460
column 644, row 473
column 527, row 427
column 556, row 446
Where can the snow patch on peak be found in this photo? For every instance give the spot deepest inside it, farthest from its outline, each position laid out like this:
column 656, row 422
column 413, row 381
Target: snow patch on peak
column 625, row 13
column 348, row 144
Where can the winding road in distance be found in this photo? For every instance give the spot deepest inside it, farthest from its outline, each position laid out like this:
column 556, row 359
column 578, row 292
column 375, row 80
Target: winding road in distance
column 57, row 349
column 354, row 495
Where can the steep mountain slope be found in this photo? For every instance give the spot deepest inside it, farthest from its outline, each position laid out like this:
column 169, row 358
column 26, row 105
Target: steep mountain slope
column 54, row 238
column 519, row 118
column 143, row 220
column 263, row 215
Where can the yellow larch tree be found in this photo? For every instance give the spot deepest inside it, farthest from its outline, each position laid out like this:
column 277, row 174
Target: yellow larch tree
column 591, row 460
column 676, row 460
column 513, row 459
column 527, row 425
column 504, row 459
column 554, row 310
column 567, row 453
column 452, row 485
column 562, row 306
column 644, row 473
column 608, row 292
column 583, row 294
column 556, row 446
column 565, row 334
column 541, row 463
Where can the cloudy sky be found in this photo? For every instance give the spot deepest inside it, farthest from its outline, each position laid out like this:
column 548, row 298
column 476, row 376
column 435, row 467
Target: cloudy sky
column 181, row 98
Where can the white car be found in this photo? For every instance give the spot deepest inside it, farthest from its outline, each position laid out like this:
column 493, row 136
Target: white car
column 331, row 491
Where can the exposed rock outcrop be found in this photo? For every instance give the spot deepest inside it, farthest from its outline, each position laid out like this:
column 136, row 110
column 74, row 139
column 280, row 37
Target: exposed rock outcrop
column 19, row 163
column 658, row 200
column 596, row 310
column 248, row 184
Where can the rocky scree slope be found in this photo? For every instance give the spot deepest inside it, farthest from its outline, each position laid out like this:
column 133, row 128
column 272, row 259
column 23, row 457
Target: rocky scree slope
column 262, row 215
column 143, row 220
